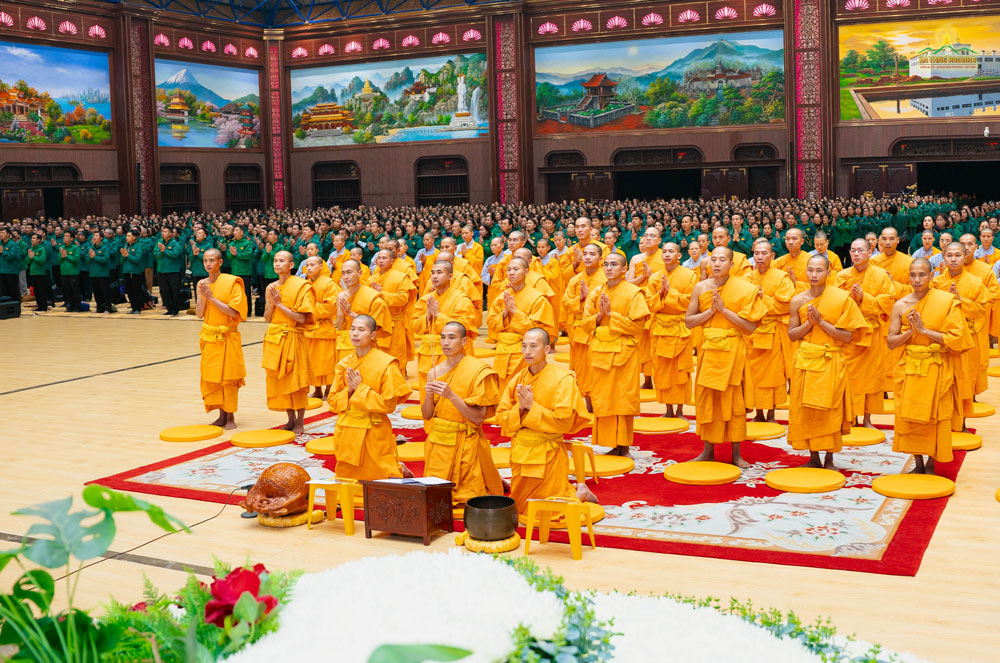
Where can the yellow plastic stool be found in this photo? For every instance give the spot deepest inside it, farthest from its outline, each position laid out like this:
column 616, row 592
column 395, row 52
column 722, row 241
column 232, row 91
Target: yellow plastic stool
column 344, row 493
column 572, row 511
column 581, row 453
column 966, row 441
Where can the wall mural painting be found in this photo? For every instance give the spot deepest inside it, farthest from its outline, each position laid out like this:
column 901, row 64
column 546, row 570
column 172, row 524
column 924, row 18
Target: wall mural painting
column 392, row 101
column 692, row 81
column 920, row 69
column 202, row 105
column 54, row 95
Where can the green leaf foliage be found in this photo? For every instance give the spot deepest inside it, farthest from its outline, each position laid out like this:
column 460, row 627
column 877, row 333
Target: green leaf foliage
column 416, row 653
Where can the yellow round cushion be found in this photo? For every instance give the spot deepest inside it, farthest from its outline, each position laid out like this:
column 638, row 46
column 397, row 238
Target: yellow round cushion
column 764, row 430
column 913, row 486
column 291, row 521
column 596, row 514
column 321, row 446
column 610, row 466
column 562, row 346
column 485, row 353
column 647, row 395
column 863, row 437
column 888, row 406
column 265, row 437
column 998, row 495
column 314, row 403
column 501, row 456
column 661, row 425
column 805, row 480
column 995, row 352
column 491, row 547
column 702, row 473
column 561, row 356
column 993, row 371
column 410, row 452
column 965, row 441
column 412, row 412
column 190, row 433
column 982, row 410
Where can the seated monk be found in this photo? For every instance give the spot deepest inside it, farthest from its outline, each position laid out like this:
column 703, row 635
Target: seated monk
column 461, row 391
column 367, row 385
column 539, row 405
column 222, row 305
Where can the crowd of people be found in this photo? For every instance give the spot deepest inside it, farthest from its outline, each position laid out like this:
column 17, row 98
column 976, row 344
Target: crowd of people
column 698, row 317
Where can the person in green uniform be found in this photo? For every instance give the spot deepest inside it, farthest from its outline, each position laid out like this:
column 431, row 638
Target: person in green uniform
column 69, row 272
column 148, row 244
column 169, row 254
column 268, row 248
column 100, row 254
column 133, row 270
column 241, row 260
column 11, row 260
column 196, row 250
column 38, row 271
column 86, row 286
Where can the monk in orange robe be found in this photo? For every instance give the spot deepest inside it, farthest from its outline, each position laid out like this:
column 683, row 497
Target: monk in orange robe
column 892, row 261
column 222, row 305
column 471, row 250
column 400, row 295
column 519, row 309
column 495, row 286
column 366, row 388
column 614, row 317
column 823, row 319
column 586, row 234
column 426, row 258
column 720, row 238
column 668, row 294
column 874, row 291
column 460, row 280
column 288, row 310
column 728, row 309
column 769, row 342
column 337, row 258
column 641, row 268
column 461, row 392
column 322, row 335
column 462, row 266
column 971, row 295
column 366, row 274
column 982, row 271
column 552, row 273
column 794, row 262
column 443, row 304
column 573, row 301
column 357, row 299
column 540, row 404
column 929, row 325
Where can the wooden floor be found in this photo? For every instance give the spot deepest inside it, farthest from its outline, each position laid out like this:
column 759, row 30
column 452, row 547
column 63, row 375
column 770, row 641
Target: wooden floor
column 84, row 397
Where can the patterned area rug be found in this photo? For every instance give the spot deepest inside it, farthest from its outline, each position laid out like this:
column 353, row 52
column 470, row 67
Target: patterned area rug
column 853, row 528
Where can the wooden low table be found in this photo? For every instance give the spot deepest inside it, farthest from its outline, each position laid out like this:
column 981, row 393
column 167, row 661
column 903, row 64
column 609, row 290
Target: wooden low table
column 408, row 507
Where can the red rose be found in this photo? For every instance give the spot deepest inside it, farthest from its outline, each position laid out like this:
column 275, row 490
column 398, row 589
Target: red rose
column 138, row 607
column 227, row 591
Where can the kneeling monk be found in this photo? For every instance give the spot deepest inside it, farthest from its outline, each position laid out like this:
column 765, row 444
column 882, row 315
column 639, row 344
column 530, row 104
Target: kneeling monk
column 461, row 391
column 367, row 384
column 540, row 404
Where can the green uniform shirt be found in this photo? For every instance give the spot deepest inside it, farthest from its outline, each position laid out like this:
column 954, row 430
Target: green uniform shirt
column 135, row 262
column 171, row 259
column 38, row 264
column 100, row 264
column 242, row 262
column 197, row 264
column 12, row 258
column 69, row 265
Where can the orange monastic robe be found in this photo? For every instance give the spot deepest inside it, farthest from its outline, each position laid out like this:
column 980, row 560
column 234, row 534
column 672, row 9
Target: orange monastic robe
column 456, row 449
column 868, row 356
column 656, row 266
column 614, row 360
column 538, row 460
column 741, row 265
column 336, row 264
column 400, row 295
column 285, row 353
column 723, row 389
column 798, row 265
column 366, row 446
column 453, row 305
column 579, row 340
column 498, row 280
column 770, row 347
column 473, row 253
column 898, row 267
column 533, row 310
column 981, row 270
column 926, row 392
column 365, row 301
column 821, row 409
column 552, row 272
column 222, row 366
column 970, row 369
column 670, row 339
column 322, row 335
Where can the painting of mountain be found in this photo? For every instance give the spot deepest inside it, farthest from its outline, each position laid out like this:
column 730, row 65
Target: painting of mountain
column 54, row 95
column 200, row 105
column 431, row 98
column 664, row 83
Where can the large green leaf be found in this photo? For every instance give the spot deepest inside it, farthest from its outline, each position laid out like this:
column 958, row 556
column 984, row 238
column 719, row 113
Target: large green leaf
column 9, row 555
column 416, row 653
column 106, row 499
column 36, row 586
column 66, row 533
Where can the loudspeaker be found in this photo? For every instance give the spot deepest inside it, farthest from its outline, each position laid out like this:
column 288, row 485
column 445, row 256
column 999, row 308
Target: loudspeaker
column 9, row 308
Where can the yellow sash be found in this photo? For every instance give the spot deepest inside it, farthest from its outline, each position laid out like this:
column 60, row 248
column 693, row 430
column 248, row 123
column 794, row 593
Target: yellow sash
column 509, row 343
column 529, row 448
column 445, row 432
column 763, row 335
column 715, row 338
column 430, row 344
column 813, row 356
column 352, row 418
column 213, row 333
column 669, row 324
column 344, row 339
column 920, row 357
column 276, row 331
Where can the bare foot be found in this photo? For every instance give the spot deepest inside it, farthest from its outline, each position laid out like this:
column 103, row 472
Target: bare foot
column 707, row 454
column 868, row 422
column 506, row 485
column 230, row 421
column 407, row 472
column 289, row 426
column 740, row 463
column 585, row 494
column 614, row 452
column 917, row 470
column 814, row 460
column 317, row 392
column 828, row 463
column 770, row 418
column 929, row 466
column 759, row 416
column 221, row 421
column 298, row 429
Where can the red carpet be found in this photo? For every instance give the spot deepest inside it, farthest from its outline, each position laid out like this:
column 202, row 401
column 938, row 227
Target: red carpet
column 851, row 529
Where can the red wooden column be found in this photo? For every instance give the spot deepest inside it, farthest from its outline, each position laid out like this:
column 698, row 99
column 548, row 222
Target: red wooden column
column 509, row 113
column 813, row 101
column 275, row 140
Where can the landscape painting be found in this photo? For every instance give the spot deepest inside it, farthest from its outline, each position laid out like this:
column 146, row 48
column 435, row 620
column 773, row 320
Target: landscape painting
column 433, row 98
column 54, row 95
column 202, row 105
column 918, row 70
column 691, row 81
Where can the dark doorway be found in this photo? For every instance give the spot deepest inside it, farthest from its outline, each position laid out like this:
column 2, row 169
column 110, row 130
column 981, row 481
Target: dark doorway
column 53, row 198
column 971, row 179
column 652, row 184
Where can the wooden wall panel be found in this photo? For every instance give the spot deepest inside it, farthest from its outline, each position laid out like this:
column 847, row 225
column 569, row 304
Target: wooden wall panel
column 211, row 165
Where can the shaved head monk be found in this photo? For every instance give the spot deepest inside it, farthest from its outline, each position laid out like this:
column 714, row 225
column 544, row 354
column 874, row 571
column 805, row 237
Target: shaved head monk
column 358, row 299
column 928, row 324
column 289, row 310
column 770, row 349
column 222, row 305
column 322, row 335
column 720, row 238
column 794, row 262
column 400, row 294
column 519, row 309
column 573, row 301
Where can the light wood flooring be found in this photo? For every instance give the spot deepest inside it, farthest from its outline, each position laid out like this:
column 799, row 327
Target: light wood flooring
column 83, row 397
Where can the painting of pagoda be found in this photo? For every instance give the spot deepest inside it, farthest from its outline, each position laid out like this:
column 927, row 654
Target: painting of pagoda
column 663, row 83
column 54, row 95
column 421, row 99
column 200, row 105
